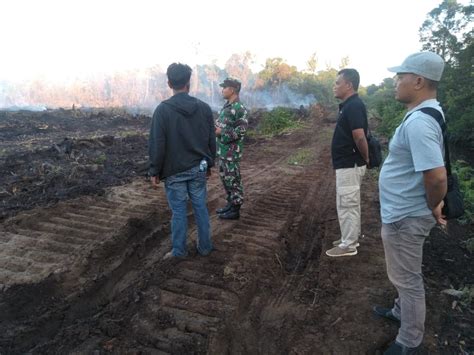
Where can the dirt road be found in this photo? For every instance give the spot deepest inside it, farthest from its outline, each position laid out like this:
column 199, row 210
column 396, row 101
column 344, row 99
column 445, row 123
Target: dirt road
column 85, row 275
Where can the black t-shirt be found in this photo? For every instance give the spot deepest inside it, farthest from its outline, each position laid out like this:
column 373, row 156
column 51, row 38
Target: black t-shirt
column 352, row 115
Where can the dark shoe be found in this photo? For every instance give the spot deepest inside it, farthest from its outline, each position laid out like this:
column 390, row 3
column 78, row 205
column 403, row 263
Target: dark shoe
column 232, row 213
column 224, row 209
column 385, row 313
column 204, row 255
column 399, row 349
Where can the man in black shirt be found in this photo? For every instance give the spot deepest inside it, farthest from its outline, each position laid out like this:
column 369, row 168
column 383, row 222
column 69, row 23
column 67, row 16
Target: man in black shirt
column 350, row 157
column 182, row 149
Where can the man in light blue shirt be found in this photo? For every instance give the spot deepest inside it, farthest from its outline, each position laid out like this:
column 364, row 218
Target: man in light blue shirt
column 412, row 186
column 416, row 146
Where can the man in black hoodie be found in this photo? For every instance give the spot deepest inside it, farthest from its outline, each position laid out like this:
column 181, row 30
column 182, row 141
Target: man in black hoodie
column 182, row 149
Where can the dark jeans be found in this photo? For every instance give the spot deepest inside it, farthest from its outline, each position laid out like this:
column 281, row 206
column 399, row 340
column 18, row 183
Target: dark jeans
column 190, row 184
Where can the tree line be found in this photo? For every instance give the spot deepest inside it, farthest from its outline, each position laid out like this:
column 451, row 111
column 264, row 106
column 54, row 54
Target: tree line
column 448, row 31
column 277, row 84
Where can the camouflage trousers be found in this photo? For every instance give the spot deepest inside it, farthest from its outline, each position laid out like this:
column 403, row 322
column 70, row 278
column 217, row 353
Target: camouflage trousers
column 229, row 171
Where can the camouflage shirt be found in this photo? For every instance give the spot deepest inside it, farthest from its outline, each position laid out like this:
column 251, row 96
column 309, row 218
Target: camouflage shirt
column 233, row 123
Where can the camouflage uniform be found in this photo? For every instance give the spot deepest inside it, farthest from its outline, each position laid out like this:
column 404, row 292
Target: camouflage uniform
column 233, row 123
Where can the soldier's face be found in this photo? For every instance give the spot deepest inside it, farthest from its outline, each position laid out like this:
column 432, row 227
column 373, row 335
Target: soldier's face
column 227, row 92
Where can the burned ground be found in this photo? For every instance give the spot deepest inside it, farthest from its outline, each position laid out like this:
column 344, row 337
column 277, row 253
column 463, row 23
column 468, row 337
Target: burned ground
column 83, row 235
column 55, row 155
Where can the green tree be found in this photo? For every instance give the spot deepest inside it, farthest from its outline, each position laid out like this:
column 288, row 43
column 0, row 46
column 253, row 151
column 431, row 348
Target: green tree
column 317, row 85
column 448, row 31
column 456, row 93
column 276, row 72
column 326, row 79
column 444, row 29
column 381, row 103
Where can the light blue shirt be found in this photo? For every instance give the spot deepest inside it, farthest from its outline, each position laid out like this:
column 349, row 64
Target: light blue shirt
column 416, row 146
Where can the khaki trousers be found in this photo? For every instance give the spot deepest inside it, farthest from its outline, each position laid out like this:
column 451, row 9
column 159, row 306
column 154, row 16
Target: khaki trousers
column 348, row 183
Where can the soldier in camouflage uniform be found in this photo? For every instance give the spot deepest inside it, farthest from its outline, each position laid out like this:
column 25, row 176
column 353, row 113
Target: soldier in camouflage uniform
column 230, row 131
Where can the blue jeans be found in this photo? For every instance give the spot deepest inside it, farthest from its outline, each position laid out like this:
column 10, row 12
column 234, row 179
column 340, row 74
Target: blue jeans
column 193, row 184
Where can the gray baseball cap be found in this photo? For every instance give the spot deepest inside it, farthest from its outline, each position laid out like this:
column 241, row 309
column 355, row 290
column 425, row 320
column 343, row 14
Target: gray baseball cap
column 426, row 64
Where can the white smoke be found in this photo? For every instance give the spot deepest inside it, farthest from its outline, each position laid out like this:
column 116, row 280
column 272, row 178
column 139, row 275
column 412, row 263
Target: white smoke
column 280, row 96
column 138, row 90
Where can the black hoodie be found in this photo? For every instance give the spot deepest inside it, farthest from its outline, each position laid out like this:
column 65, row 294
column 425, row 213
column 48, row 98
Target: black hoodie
column 182, row 133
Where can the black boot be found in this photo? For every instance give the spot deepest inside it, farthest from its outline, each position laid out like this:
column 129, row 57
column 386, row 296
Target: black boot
column 232, row 213
column 224, row 209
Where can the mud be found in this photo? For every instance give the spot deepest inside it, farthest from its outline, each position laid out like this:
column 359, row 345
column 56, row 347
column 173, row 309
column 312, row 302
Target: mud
column 82, row 241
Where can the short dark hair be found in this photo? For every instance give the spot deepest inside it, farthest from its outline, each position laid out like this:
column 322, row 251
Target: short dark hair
column 352, row 76
column 178, row 75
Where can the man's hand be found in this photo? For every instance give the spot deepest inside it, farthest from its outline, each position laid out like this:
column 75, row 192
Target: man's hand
column 438, row 214
column 155, row 180
column 358, row 135
column 218, row 131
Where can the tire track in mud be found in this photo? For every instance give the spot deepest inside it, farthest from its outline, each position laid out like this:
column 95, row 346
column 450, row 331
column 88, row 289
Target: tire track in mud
column 292, row 246
column 306, row 232
column 35, row 244
column 201, row 298
column 193, row 305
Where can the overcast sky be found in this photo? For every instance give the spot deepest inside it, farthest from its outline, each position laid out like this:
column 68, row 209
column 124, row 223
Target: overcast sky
column 61, row 39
